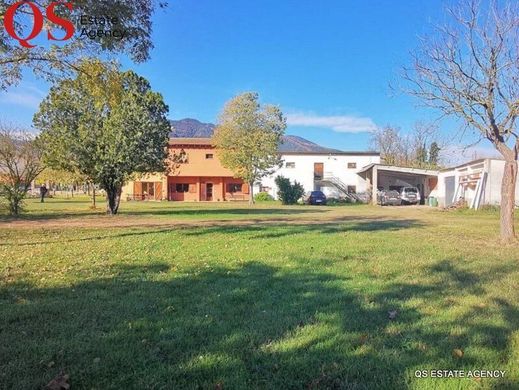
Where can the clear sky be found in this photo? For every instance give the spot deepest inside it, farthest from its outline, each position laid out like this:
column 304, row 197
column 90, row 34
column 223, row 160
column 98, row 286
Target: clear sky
column 327, row 64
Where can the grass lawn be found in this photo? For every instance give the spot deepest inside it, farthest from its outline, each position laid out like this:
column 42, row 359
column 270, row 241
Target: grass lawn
column 223, row 296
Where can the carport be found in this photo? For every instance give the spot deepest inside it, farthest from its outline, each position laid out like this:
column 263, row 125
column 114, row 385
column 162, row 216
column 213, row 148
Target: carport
column 390, row 177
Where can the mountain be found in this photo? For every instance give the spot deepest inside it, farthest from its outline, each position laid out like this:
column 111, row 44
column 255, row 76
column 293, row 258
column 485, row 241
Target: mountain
column 293, row 143
column 192, row 128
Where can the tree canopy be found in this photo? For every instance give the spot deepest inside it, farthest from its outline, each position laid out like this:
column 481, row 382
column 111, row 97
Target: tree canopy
column 247, row 138
column 106, row 125
column 55, row 58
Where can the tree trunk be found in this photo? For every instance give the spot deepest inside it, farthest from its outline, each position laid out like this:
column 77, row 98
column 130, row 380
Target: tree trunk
column 93, row 195
column 113, row 198
column 508, row 201
column 251, row 193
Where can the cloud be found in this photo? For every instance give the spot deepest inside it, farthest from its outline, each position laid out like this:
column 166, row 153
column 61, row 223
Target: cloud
column 26, row 96
column 338, row 123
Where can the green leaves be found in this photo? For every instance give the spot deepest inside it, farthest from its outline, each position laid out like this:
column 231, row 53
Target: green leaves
column 133, row 17
column 248, row 136
column 105, row 124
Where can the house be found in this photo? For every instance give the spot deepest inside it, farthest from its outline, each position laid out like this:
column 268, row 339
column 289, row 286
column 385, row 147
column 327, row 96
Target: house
column 198, row 177
column 333, row 171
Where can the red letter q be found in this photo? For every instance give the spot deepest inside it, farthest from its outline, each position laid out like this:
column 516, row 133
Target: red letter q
column 37, row 25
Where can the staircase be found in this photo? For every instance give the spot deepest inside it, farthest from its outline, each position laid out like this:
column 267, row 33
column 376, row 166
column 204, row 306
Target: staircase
column 333, row 181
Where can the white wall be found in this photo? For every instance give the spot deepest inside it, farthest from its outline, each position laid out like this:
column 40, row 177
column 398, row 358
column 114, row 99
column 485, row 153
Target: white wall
column 334, row 165
column 492, row 192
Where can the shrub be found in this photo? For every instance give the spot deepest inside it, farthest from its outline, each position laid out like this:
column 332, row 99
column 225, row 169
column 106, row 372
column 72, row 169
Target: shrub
column 263, row 197
column 289, row 193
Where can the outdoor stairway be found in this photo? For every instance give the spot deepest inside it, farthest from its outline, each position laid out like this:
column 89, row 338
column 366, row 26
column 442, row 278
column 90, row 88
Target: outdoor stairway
column 330, row 180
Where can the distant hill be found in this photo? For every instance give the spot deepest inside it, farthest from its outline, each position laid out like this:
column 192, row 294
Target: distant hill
column 293, row 143
column 192, row 128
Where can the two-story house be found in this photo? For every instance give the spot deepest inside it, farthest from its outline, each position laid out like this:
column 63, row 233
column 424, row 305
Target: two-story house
column 198, row 177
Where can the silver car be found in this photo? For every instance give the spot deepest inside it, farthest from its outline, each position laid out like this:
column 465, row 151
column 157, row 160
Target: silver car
column 410, row 195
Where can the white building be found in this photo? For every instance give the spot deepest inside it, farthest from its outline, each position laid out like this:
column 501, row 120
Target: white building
column 478, row 182
column 317, row 168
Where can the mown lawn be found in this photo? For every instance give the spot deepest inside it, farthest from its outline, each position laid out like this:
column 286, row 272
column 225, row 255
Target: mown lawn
column 222, row 296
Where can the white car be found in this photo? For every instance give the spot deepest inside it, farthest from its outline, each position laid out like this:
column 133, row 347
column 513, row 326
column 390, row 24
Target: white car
column 410, row 195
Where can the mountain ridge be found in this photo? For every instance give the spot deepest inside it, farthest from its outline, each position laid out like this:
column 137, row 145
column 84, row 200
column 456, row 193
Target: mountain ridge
column 193, row 128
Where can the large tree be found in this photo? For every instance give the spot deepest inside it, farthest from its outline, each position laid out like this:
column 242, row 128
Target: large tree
column 106, row 125
column 49, row 60
column 247, row 138
column 20, row 164
column 469, row 69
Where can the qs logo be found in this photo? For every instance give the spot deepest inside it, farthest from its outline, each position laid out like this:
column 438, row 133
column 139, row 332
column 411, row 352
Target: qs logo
column 37, row 22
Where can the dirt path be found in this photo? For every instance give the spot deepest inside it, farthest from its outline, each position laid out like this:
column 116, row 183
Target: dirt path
column 336, row 215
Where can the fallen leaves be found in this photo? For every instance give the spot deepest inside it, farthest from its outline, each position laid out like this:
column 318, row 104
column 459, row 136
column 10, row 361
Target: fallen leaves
column 60, row 382
column 457, row 353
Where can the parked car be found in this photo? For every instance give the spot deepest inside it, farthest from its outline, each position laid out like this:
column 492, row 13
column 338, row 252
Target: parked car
column 390, row 197
column 410, row 195
column 315, row 197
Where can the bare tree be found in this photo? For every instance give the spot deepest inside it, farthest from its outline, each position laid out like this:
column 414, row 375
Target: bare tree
column 20, row 163
column 408, row 150
column 388, row 142
column 469, row 69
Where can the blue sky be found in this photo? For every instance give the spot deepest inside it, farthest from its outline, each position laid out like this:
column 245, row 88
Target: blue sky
column 327, row 64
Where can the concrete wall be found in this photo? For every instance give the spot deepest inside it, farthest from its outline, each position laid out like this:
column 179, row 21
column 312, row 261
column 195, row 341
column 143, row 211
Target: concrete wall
column 334, row 165
column 492, row 192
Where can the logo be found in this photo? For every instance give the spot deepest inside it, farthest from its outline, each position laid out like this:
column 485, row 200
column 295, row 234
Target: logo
column 37, row 22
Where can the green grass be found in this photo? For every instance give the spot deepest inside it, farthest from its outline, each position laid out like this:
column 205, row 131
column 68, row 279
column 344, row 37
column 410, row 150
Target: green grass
column 226, row 296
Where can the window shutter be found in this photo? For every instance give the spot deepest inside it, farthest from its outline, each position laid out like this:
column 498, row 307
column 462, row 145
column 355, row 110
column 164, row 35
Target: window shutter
column 245, row 188
column 158, row 190
column 137, row 188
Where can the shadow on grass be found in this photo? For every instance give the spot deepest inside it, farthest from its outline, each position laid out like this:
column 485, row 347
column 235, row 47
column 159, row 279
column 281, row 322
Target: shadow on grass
column 254, row 326
column 161, row 212
column 203, row 211
column 258, row 229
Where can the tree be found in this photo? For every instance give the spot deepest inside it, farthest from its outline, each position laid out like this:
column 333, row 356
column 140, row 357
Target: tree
column 20, row 163
column 133, row 16
column 247, row 138
column 288, row 193
column 105, row 125
column 434, row 154
column 469, row 69
column 388, row 142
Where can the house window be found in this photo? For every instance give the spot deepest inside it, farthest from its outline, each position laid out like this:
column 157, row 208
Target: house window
column 290, row 165
column 352, row 189
column 182, row 187
column 233, row 187
column 352, row 165
column 209, row 156
column 148, row 188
